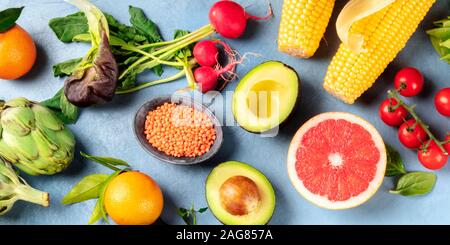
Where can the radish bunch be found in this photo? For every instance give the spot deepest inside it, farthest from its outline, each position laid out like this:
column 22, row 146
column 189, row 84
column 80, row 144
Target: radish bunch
column 229, row 19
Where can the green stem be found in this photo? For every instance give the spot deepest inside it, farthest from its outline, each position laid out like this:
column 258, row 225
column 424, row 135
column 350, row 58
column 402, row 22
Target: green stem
column 159, row 44
column 29, row 194
column 168, row 51
column 148, row 84
column 410, row 109
column 169, row 63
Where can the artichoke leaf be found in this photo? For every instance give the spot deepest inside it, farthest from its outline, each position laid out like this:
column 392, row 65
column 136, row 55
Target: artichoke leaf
column 24, row 145
column 18, row 121
column 66, row 139
column 17, row 102
column 354, row 11
column 47, row 118
column 7, row 153
column 45, row 148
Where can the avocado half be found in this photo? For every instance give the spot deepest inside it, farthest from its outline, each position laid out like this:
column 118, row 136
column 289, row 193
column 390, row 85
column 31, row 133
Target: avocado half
column 266, row 96
column 239, row 194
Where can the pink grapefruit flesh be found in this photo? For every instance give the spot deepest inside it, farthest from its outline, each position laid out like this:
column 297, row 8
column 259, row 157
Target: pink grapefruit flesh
column 337, row 160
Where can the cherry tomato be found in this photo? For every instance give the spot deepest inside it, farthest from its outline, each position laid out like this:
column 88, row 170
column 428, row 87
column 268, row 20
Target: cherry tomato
column 409, row 81
column 431, row 156
column 412, row 135
column 390, row 116
column 447, row 144
column 442, row 102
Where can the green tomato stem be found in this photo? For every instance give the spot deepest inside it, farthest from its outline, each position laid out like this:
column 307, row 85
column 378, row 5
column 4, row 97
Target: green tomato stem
column 29, row 194
column 394, row 94
column 151, row 83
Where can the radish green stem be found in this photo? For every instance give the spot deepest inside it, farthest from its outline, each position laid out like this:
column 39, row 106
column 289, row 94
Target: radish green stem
column 166, row 52
column 159, row 44
column 410, row 109
column 148, row 84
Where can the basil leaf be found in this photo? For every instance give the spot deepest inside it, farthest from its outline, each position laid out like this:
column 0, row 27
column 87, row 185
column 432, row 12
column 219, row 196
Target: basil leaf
column 395, row 165
column 88, row 188
column 68, row 109
column 106, row 161
column 66, row 28
column 66, row 68
column 416, row 183
column 9, row 17
column 143, row 25
column 96, row 213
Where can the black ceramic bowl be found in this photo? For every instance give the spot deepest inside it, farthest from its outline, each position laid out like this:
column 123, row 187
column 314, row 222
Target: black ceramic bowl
column 139, row 125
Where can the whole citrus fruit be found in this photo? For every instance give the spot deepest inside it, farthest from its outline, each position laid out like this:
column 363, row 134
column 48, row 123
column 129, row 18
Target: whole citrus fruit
column 133, row 198
column 17, row 53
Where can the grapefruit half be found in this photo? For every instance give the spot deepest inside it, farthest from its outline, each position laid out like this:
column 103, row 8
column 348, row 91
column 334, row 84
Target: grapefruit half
column 337, row 160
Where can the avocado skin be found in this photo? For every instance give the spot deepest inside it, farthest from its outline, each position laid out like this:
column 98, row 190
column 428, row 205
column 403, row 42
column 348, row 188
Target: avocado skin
column 218, row 218
column 297, row 100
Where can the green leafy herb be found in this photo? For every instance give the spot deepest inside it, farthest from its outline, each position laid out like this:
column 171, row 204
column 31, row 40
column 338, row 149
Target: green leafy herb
column 189, row 216
column 88, row 188
column 143, row 25
column 108, row 162
column 416, row 183
column 395, row 165
column 440, row 38
column 66, row 28
column 67, row 112
column 9, row 17
column 66, row 68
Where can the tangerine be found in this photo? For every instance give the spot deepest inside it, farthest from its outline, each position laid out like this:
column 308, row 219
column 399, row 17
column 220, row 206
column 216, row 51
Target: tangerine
column 17, row 53
column 133, row 198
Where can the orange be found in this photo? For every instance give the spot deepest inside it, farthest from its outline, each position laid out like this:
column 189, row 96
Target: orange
column 17, row 53
column 133, row 198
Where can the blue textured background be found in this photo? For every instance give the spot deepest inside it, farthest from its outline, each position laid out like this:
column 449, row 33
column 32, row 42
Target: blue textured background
column 107, row 130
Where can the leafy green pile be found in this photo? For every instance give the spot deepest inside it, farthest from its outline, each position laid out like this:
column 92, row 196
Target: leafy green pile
column 440, row 38
column 135, row 47
column 409, row 184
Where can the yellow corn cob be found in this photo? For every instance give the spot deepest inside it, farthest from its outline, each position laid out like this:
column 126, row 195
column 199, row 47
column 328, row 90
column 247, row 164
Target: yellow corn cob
column 303, row 23
column 385, row 34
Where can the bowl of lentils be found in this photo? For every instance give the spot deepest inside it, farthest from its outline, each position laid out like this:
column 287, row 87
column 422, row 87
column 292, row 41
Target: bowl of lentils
column 178, row 130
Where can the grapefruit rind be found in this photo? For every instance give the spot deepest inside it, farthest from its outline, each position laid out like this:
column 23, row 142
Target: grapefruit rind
column 322, row 201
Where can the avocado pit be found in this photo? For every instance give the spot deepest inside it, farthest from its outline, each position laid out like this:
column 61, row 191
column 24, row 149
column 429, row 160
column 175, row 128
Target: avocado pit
column 239, row 195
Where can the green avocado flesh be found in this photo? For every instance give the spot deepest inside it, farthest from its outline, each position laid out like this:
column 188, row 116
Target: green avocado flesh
column 238, row 194
column 266, row 96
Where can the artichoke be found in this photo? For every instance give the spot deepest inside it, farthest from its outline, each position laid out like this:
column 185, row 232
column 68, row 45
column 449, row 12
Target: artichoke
column 14, row 188
column 33, row 138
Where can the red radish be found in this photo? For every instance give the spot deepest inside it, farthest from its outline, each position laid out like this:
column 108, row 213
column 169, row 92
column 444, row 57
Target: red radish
column 229, row 18
column 206, row 77
column 206, row 53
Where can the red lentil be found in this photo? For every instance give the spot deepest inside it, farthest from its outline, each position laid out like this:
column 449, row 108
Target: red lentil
column 179, row 130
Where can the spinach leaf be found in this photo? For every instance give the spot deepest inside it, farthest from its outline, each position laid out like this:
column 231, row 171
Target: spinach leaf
column 185, row 52
column 88, row 188
column 129, row 81
column 106, row 161
column 69, row 114
column 66, row 28
column 395, row 165
column 143, row 25
column 124, row 32
column 9, row 17
column 416, row 183
column 65, row 68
